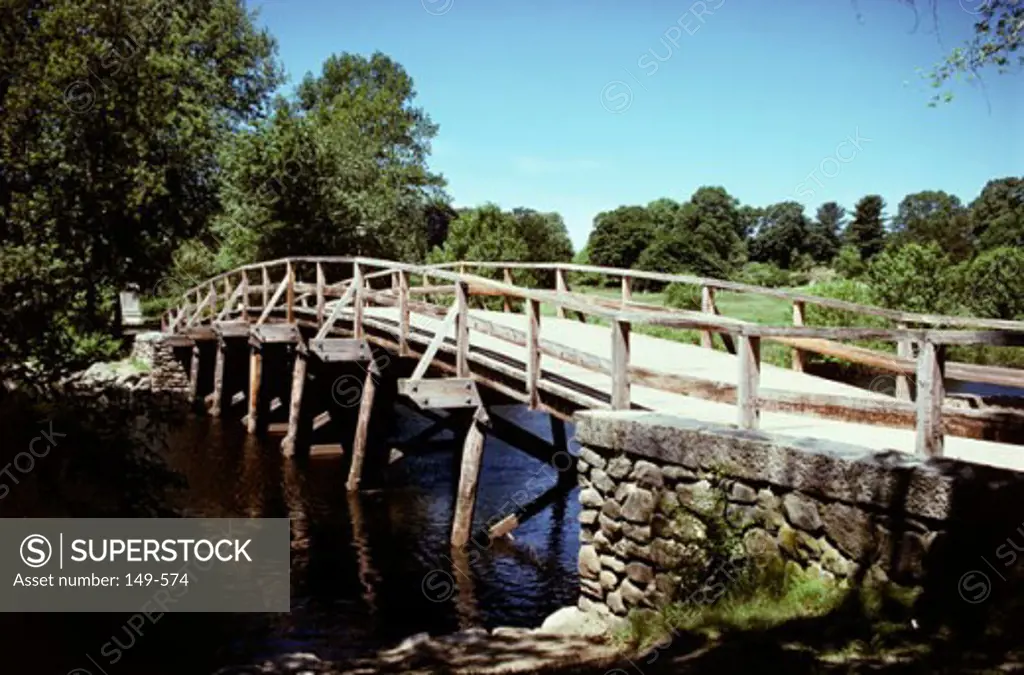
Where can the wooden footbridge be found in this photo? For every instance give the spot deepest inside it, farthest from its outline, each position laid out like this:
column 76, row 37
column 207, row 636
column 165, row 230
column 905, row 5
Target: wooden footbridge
column 476, row 335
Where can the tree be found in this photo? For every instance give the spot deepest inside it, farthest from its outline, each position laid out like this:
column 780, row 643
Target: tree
column 992, row 285
column 701, row 237
column 998, row 36
column 109, row 128
column 546, row 236
column 867, row 229
column 485, row 234
column 782, row 235
column 934, row 216
column 912, row 278
column 620, row 236
column 824, row 233
column 997, row 214
column 339, row 169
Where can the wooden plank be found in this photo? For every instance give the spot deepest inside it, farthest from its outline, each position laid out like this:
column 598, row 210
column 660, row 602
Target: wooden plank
column 627, row 290
column 339, row 305
column 255, row 368
column 357, row 301
column 193, row 377
column 905, row 350
column 462, row 330
column 269, row 307
column 930, row 395
column 403, row 313
column 245, row 296
column 294, row 406
column 798, row 320
column 561, row 288
column 324, row 450
column 707, row 305
column 362, row 428
column 331, row 350
column 749, row 381
column 231, row 329
column 321, row 420
column 201, row 333
column 266, row 286
column 533, row 352
column 469, row 474
column 620, row 365
column 320, row 299
column 441, row 392
column 276, row 333
column 435, row 344
column 179, row 340
column 506, row 302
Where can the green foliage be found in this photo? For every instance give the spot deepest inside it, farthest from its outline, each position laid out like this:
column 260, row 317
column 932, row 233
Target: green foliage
column 108, row 132
column 582, row 257
column 997, row 40
column 683, row 296
column 848, row 263
column 339, row 169
column 912, row 278
column 867, row 229
column 992, row 285
column 825, row 231
column 934, row 217
column 767, row 275
column 997, row 214
column 782, row 235
column 851, row 291
column 620, row 236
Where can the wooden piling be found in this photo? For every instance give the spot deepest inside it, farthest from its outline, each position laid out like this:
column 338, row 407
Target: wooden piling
column 295, row 407
column 255, row 368
column 355, row 471
column 218, row 379
column 472, row 454
column 931, row 392
column 193, row 375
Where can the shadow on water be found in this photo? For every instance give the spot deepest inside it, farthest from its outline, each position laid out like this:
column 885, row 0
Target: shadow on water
column 367, row 570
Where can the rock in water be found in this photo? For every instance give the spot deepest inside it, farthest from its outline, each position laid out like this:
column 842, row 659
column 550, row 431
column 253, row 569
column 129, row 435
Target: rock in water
column 573, row 621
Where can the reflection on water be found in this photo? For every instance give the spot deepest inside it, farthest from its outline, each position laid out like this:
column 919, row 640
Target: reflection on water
column 367, row 569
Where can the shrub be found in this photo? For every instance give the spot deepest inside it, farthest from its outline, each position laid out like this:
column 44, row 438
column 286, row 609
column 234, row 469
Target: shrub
column 992, row 285
column 848, row 263
column 764, row 274
column 683, row 296
column 912, row 278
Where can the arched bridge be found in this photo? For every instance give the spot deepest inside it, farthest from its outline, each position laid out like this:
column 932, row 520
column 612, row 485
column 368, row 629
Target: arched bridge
column 477, row 335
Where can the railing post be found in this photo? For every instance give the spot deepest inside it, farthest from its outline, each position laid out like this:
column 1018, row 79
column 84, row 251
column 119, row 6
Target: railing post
column 213, row 302
column 320, row 299
column 620, row 365
column 403, row 313
column 462, row 329
column 507, row 276
column 707, row 305
column 245, row 296
column 560, row 288
column 931, row 391
column 227, row 296
column 290, row 292
column 266, row 287
column 533, row 351
column 798, row 320
column 905, row 350
column 749, row 353
column 357, row 300
column 627, row 290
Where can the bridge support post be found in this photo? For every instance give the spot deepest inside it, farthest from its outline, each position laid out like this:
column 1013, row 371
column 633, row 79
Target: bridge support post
column 355, row 472
column 931, row 391
column 295, row 406
column 193, row 374
column 218, row 379
column 255, row 375
column 472, row 454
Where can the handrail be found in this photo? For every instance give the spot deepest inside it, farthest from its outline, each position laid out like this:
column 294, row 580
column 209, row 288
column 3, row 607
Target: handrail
column 929, row 367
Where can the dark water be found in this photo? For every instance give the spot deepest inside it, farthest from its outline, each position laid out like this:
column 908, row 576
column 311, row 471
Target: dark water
column 367, row 570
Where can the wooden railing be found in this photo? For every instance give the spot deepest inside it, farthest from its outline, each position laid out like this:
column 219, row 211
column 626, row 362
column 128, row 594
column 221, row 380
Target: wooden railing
column 364, row 282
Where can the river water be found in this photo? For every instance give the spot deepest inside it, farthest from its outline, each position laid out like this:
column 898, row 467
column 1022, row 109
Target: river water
column 367, row 570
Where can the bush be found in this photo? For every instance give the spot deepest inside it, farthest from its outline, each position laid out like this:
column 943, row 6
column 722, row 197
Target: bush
column 763, row 274
column 913, row 278
column 683, row 296
column 992, row 285
column 848, row 263
column 842, row 289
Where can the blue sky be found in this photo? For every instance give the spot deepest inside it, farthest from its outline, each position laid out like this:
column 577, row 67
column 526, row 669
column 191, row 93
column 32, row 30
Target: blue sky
column 579, row 106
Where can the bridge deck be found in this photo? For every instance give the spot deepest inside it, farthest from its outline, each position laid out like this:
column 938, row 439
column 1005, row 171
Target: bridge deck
column 669, row 357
